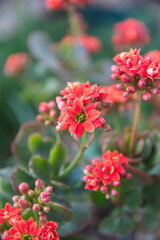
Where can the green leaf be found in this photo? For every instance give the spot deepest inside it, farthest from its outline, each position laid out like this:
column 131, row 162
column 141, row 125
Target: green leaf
column 81, row 218
column 19, row 175
column 155, row 171
column 132, row 199
column 38, row 167
column 19, row 146
column 74, row 178
column 56, row 158
column 116, row 226
column 6, row 191
column 39, row 145
column 59, row 213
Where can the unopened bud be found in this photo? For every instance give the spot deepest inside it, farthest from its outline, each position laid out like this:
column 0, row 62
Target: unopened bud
column 114, row 76
column 155, row 91
column 146, row 96
column 119, row 86
column 45, row 196
column 22, row 203
column 15, row 199
column 116, row 183
column 125, row 78
column 39, row 118
column 52, row 113
column 114, row 192
column 46, row 209
column 43, row 218
column 30, row 192
column 130, row 89
column 128, row 176
column 39, row 184
column 104, row 189
column 49, row 189
column 36, row 207
column 142, row 83
column 47, row 123
column 23, row 187
column 115, row 69
column 51, row 104
column 43, row 107
column 95, row 160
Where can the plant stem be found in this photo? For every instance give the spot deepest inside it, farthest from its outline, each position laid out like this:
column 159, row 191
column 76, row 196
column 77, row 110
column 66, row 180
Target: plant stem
column 74, row 25
column 135, row 125
column 148, row 179
column 77, row 157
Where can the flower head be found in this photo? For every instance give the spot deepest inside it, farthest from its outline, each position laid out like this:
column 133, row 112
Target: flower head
column 49, row 232
column 153, row 55
column 137, row 73
column 79, row 118
column 16, row 63
column 106, row 174
column 9, row 212
column 24, row 230
column 90, row 43
column 64, row 4
column 130, row 33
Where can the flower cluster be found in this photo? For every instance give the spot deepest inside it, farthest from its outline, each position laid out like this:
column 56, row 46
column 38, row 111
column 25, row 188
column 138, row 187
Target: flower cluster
column 16, row 63
column 130, row 33
column 11, row 217
column 47, row 113
column 153, row 55
column 105, row 175
column 137, row 74
column 89, row 43
column 80, row 107
column 63, row 4
column 115, row 98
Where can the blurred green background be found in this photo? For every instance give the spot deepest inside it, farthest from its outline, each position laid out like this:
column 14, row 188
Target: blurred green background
column 19, row 19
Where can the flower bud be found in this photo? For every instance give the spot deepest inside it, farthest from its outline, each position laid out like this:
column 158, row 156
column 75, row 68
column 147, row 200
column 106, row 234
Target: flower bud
column 85, row 178
column 46, row 209
column 45, row 196
column 125, row 78
column 114, row 76
column 146, row 96
column 15, row 199
column 155, row 91
column 125, row 94
column 130, row 89
column 128, row 176
column 22, row 203
column 104, row 189
column 30, row 193
column 119, row 86
column 39, row 184
column 39, row 118
column 95, row 160
column 114, row 192
column 51, row 104
column 43, row 218
column 36, row 207
column 47, row 123
column 52, row 113
column 23, row 187
column 115, row 69
column 49, row 189
column 142, row 83
column 116, row 183
column 43, row 107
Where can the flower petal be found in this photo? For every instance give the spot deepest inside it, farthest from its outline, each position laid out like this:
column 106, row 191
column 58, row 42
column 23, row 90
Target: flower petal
column 93, row 114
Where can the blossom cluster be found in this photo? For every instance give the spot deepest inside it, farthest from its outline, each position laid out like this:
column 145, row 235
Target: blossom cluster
column 63, row 4
column 130, row 33
column 89, row 43
column 11, row 217
column 16, row 63
column 137, row 74
column 106, row 174
column 47, row 113
column 81, row 107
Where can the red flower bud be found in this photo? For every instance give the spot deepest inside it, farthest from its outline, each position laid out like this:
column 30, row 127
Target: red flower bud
column 23, row 187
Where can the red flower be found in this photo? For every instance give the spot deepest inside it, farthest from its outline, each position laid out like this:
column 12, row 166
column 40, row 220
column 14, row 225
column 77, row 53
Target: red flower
column 15, row 64
column 9, row 212
column 80, row 118
column 137, row 74
column 49, row 232
column 153, row 55
column 89, row 43
column 107, row 173
column 130, row 33
column 63, row 4
column 22, row 230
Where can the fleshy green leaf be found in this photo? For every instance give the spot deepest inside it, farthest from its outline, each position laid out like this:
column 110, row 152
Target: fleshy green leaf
column 116, row 226
column 19, row 146
column 6, row 191
column 39, row 145
column 59, row 213
column 38, row 166
column 56, row 158
column 18, row 175
column 81, row 218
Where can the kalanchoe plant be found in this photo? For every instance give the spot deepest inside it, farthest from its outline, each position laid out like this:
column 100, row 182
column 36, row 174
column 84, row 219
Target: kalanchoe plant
column 119, row 191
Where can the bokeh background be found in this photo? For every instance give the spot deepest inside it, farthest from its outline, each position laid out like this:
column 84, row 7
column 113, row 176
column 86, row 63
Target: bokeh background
column 20, row 19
